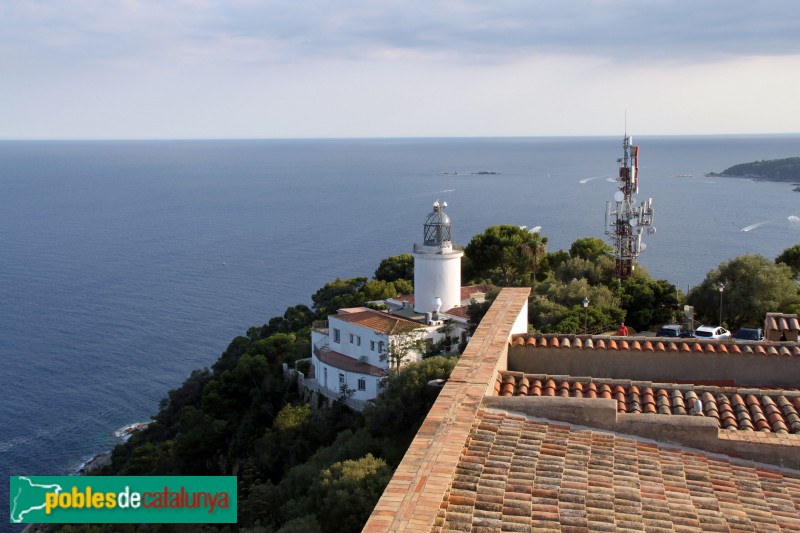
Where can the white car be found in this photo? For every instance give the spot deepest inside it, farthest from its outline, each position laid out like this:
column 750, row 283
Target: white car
column 711, row 332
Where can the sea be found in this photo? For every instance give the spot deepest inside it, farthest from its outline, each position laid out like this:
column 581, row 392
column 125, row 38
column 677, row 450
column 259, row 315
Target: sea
column 126, row 264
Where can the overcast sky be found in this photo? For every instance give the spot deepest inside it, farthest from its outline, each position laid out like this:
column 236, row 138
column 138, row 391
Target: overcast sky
column 103, row 69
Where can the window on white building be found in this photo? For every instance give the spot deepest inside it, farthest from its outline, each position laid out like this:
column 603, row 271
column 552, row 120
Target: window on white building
column 362, row 384
column 351, row 338
column 358, row 340
column 372, row 345
column 337, row 335
column 380, row 346
column 341, row 378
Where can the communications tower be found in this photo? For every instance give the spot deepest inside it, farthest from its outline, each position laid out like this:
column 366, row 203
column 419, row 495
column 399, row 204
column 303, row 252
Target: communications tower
column 626, row 222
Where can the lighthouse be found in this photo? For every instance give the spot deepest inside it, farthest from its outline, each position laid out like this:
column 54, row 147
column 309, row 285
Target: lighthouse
column 437, row 265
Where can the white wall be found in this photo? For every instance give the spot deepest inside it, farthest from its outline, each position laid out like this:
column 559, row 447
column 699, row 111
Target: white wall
column 436, row 275
column 521, row 323
column 351, row 379
column 352, row 349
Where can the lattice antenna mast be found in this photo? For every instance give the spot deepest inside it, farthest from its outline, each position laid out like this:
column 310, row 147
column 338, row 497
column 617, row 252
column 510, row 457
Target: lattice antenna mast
column 627, row 221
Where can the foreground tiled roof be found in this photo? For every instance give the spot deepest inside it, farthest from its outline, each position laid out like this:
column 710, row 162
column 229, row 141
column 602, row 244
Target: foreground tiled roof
column 655, row 344
column 378, row 321
column 517, row 474
column 732, row 408
column 346, row 363
column 486, row 463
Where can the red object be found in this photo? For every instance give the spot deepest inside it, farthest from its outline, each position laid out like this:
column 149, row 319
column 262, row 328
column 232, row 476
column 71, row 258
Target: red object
column 622, row 331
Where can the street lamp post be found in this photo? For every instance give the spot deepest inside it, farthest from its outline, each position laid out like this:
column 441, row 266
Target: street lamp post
column 585, row 314
column 721, row 288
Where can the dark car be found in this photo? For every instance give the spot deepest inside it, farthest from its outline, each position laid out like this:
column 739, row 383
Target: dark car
column 673, row 330
column 748, row 334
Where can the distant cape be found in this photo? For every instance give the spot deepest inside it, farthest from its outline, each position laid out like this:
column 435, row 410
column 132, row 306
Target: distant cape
column 782, row 170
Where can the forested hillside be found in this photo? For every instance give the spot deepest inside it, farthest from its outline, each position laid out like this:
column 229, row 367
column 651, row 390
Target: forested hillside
column 787, row 169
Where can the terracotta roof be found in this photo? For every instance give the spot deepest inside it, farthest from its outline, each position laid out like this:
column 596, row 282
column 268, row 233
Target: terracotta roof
column 460, row 312
column 479, row 464
column 517, row 474
column 779, row 325
column 656, row 344
column 378, row 321
column 466, row 293
column 346, row 363
column 732, row 408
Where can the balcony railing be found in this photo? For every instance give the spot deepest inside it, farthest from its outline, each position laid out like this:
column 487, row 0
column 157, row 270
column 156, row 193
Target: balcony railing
column 455, row 248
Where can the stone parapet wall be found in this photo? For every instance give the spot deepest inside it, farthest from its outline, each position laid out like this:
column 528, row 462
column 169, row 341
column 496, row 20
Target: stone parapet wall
column 412, row 499
column 741, row 369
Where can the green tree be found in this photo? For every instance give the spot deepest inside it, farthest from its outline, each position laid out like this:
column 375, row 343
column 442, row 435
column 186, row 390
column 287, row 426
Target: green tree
column 337, row 294
column 355, row 292
column 535, row 253
column 294, row 319
column 753, row 286
column 397, row 413
column 597, row 271
column 288, row 442
column 648, row 302
column 303, row 524
column 477, row 310
column 401, row 347
column 589, row 248
column 559, row 309
column 499, row 254
column 791, row 258
column 396, row 267
column 348, row 491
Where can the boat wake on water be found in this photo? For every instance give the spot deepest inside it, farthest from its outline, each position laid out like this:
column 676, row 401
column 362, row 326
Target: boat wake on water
column 587, row 180
column 751, row 227
column 794, row 219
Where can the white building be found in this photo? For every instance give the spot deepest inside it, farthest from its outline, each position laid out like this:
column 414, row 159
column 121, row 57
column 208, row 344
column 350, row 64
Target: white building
column 352, row 351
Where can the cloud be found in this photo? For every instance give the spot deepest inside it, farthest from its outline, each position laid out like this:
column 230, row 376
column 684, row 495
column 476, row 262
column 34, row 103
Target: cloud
column 454, row 30
column 209, row 68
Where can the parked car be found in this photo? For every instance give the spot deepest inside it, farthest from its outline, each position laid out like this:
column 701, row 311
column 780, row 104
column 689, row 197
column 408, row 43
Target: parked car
column 673, row 330
column 711, row 332
column 748, row 334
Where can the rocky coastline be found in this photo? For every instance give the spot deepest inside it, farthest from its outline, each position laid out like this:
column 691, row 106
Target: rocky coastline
column 103, row 459
column 96, row 463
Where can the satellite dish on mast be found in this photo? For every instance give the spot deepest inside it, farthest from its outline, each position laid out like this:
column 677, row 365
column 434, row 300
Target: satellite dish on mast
column 619, row 196
column 633, row 222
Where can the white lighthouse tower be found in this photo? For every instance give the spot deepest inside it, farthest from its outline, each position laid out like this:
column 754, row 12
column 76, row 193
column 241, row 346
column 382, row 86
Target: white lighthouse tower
column 437, row 265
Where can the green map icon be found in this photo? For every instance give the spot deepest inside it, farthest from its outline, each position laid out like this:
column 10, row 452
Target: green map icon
column 28, row 499
column 122, row 499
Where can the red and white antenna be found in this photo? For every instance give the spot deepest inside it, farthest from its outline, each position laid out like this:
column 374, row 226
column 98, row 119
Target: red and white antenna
column 626, row 222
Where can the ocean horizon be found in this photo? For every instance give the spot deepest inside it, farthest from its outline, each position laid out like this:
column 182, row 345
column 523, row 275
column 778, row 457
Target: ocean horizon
column 128, row 263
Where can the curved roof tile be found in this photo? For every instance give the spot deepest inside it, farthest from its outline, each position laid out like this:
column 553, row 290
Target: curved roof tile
column 766, row 412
